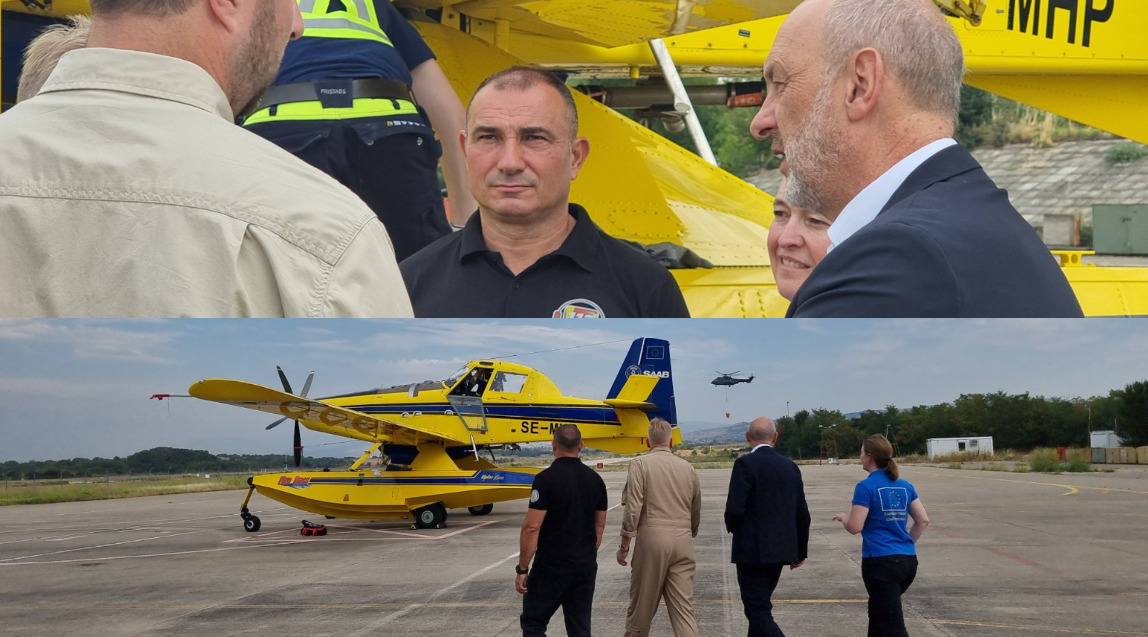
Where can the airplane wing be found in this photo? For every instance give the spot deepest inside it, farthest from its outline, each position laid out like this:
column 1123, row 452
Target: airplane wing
column 272, row 401
column 602, row 23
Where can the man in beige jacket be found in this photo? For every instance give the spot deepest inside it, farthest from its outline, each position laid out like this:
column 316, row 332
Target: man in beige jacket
column 663, row 504
column 128, row 191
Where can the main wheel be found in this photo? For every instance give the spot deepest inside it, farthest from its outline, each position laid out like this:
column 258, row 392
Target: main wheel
column 480, row 509
column 250, row 523
column 431, row 516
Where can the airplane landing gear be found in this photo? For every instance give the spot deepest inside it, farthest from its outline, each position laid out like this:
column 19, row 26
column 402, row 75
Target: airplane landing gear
column 251, row 523
column 480, row 509
column 432, row 516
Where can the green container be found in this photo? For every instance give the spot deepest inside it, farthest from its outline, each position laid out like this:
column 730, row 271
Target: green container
column 1120, row 228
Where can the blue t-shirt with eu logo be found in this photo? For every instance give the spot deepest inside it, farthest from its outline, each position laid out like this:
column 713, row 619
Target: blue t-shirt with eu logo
column 885, row 531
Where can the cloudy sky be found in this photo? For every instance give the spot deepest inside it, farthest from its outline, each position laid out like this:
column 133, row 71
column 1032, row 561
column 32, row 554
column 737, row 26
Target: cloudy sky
column 80, row 388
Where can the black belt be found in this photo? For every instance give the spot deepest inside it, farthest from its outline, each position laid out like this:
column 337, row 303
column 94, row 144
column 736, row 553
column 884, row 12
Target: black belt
column 335, row 91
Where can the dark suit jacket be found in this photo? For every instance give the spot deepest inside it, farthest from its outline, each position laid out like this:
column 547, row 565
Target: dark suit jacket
column 766, row 510
column 948, row 244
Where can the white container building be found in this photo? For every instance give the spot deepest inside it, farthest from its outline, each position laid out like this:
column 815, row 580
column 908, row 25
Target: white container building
column 969, row 444
column 1104, row 439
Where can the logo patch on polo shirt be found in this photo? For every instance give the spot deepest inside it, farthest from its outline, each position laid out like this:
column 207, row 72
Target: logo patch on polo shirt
column 579, row 308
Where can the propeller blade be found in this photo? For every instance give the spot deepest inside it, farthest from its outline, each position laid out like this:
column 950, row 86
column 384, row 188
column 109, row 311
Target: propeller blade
column 276, row 423
column 283, row 377
column 298, row 446
column 307, row 385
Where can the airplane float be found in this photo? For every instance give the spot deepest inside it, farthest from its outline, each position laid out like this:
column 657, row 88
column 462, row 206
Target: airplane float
column 433, row 433
column 1086, row 60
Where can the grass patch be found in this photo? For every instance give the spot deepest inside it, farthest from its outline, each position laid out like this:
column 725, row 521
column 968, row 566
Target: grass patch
column 994, row 467
column 964, row 456
column 1045, row 460
column 49, row 491
column 1125, row 153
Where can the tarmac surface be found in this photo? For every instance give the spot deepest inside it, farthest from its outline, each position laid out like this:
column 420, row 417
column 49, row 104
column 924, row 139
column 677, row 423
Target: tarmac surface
column 1007, row 554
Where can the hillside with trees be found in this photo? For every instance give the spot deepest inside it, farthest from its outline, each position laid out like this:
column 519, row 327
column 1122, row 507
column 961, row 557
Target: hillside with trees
column 160, row 461
column 1020, row 422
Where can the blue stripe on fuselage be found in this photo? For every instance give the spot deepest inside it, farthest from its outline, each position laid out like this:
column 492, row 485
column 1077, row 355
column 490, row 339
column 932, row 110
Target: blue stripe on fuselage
column 590, row 414
column 511, row 478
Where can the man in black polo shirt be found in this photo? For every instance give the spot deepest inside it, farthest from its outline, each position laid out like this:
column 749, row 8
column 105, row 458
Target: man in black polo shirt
column 564, row 525
column 529, row 252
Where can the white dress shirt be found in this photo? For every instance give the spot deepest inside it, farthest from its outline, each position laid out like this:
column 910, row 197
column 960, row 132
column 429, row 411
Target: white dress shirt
column 868, row 203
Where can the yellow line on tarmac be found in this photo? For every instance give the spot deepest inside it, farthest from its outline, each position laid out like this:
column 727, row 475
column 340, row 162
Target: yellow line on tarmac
column 1071, row 489
column 1043, row 629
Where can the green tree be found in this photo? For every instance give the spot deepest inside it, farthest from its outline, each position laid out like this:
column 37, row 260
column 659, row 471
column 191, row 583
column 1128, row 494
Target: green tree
column 1132, row 413
column 976, row 111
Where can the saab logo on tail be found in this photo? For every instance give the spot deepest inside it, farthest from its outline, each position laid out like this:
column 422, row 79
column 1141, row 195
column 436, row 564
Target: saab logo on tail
column 661, row 374
column 633, row 369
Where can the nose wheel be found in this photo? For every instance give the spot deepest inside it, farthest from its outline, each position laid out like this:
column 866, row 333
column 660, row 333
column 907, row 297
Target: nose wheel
column 251, row 523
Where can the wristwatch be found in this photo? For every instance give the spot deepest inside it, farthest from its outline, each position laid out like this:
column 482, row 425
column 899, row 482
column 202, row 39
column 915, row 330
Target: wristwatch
column 521, row 571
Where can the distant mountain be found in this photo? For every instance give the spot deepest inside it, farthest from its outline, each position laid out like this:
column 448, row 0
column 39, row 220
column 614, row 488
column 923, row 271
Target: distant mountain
column 720, row 434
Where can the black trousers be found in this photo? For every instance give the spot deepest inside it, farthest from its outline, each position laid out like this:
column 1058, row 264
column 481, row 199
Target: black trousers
column 396, row 175
column 886, row 579
column 548, row 589
column 757, row 582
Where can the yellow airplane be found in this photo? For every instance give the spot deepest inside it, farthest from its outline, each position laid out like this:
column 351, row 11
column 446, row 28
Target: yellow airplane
column 1082, row 59
column 433, row 433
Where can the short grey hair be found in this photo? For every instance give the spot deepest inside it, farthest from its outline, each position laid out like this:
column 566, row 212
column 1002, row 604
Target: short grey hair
column 660, row 433
column 762, row 430
column 45, row 51
column 918, row 45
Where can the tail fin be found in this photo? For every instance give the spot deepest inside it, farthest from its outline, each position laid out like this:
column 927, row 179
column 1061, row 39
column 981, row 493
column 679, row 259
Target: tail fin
column 650, row 357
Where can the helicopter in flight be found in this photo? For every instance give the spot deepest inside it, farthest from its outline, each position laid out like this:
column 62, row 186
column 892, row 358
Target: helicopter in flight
column 729, row 380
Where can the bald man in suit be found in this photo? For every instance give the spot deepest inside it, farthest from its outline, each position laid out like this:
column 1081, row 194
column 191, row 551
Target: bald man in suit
column 769, row 519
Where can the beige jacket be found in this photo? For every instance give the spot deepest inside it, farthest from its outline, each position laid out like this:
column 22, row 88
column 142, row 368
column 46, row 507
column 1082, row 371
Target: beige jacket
column 661, row 490
column 127, row 190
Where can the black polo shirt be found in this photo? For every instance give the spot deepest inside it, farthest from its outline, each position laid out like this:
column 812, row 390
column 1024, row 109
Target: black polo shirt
column 571, row 494
column 591, row 275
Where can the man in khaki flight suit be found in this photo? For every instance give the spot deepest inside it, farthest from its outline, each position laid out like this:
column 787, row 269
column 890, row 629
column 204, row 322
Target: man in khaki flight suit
column 663, row 505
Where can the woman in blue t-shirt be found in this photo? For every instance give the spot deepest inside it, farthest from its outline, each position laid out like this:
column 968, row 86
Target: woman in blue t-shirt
column 882, row 506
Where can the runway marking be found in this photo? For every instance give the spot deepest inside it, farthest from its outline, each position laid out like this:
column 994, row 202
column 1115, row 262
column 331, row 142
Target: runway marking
column 6, row 561
column 274, row 537
column 245, row 543
column 1012, row 556
column 1071, row 489
column 383, row 621
column 1044, row 629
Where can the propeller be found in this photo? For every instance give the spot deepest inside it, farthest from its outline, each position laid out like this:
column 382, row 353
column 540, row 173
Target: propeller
column 303, row 394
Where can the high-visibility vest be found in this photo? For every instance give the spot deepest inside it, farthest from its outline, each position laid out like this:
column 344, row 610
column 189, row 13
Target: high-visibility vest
column 357, row 21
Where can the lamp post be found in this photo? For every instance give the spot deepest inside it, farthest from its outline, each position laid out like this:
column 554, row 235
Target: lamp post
column 832, row 438
column 787, row 409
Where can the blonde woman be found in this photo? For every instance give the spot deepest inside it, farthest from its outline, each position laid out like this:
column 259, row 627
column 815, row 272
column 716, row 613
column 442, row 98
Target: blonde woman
column 882, row 505
column 798, row 240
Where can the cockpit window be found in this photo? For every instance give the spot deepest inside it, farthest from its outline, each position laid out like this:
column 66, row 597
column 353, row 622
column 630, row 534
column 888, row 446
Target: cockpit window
column 453, row 378
column 508, row 382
